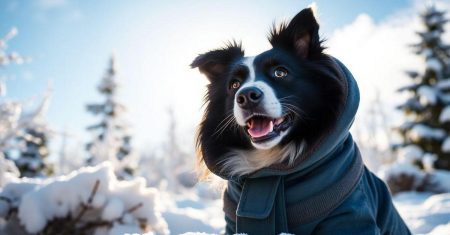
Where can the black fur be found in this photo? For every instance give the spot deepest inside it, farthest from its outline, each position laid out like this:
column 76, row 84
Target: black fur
column 313, row 88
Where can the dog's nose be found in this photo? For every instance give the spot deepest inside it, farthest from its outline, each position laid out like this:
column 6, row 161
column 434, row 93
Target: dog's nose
column 249, row 97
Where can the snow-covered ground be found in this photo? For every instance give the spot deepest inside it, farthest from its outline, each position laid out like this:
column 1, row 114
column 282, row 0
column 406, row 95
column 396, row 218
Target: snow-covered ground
column 190, row 213
column 425, row 213
column 185, row 211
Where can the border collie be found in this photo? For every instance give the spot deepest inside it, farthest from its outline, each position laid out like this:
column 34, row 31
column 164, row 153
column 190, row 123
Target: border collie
column 276, row 126
column 268, row 108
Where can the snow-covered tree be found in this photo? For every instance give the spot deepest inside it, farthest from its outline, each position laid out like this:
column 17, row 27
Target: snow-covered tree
column 12, row 119
column 111, row 135
column 425, row 146
column 427, row 128
column 10, row 111
column 32, row 159
column 23, row 132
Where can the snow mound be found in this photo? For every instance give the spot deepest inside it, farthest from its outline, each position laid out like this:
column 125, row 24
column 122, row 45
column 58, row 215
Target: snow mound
column 396, row 169
column 401, row 177
column 425, row 213
column 441, row 229
column 88, row 195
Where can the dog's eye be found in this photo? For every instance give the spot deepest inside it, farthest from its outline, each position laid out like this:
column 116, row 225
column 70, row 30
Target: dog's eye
column 235, row 84
column 280, row 72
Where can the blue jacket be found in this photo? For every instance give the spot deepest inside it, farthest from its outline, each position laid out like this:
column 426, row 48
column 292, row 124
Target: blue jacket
column 329, row 191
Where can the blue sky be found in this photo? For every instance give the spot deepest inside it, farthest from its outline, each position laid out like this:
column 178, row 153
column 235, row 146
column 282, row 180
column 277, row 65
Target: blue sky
column 154, row 41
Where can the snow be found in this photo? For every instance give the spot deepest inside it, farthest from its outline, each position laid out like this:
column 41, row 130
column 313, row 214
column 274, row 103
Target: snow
column 445, row 115
column 121, row 229
column 434, row 20
column 40, row 201
column 425, row 213
column 428, row 160
column 189, row 212
column 427, row 95
column 420, row 131
column 388, row 171
column 410, row 153
column 441, row 229
column 12, row 57
column 113, row 209
column 446, row 145
column 8, row 171
column 442, row 180
column 443, row 84
column 434, row 64
column 98, row 201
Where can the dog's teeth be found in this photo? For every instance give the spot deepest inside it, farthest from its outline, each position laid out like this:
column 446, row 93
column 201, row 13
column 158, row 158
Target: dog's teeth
column 271, row 126
column 279, row 120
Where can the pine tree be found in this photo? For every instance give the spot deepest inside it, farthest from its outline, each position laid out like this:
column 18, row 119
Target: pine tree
column 32, row 160
column 426, row 133
column 22, row 132
column 112, row 141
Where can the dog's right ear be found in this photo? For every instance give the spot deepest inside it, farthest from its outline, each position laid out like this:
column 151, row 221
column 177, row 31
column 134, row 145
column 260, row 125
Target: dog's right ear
column 214, row 63
column 300, row 35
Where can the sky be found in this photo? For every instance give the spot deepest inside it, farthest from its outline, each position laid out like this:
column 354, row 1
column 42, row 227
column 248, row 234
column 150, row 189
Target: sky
column 154, row 42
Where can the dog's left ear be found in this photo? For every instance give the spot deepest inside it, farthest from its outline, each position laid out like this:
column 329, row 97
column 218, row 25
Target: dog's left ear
column 301, row 35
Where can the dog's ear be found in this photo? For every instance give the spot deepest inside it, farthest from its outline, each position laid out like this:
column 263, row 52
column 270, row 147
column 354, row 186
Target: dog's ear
column 214, row 63
column 300, row 35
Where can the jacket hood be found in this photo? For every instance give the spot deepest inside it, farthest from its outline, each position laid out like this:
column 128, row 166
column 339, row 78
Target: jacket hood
column 331, row 140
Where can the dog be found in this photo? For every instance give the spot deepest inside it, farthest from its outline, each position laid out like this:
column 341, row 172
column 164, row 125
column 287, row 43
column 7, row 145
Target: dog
column 276, row 127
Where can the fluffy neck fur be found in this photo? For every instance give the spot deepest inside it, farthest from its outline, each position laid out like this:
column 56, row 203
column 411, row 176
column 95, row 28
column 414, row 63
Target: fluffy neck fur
column 243, row 162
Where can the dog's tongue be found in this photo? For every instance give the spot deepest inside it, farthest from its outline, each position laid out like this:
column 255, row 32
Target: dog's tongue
column 260, row 127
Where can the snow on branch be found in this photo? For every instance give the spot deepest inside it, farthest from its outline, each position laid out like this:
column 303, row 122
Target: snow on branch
column 12, row 57
column 420, row 131
column 87, row 201
column 427, row 95
column 445, row 115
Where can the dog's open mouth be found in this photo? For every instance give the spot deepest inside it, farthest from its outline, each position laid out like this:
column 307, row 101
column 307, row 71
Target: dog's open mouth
column 263, row 128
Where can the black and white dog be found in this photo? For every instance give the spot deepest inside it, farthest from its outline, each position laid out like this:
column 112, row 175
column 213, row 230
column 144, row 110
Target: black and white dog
column 260, row 109
column 276, row 127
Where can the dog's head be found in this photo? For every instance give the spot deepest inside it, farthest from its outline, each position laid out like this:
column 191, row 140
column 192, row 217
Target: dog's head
column 287, row 95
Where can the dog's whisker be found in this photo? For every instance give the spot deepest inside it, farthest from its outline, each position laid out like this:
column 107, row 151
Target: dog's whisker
column 287, row 97
column 224, row 123
column 296, row 111
column 225, row 127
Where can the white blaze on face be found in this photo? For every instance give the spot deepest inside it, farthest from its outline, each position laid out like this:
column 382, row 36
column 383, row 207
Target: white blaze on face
column 270, row 104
